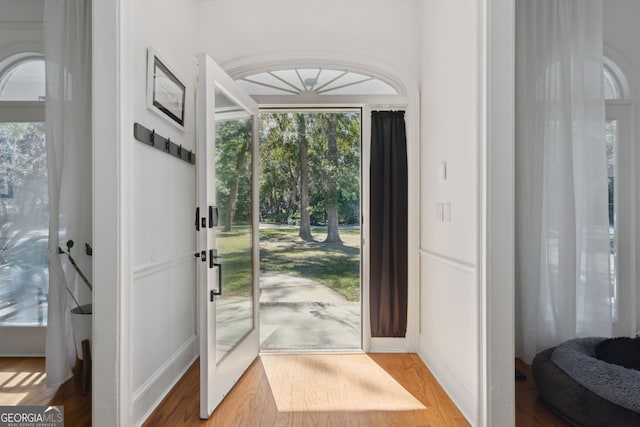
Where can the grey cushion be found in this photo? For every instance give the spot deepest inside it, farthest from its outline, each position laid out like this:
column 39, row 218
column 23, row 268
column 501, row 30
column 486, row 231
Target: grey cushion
column 573, row 401
column 615, row 383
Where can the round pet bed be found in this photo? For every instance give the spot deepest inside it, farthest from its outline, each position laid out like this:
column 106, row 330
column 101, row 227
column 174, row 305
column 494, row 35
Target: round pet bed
column 584, row 390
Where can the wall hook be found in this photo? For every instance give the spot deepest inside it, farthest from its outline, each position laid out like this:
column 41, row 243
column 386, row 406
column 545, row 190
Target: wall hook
column 150, row 137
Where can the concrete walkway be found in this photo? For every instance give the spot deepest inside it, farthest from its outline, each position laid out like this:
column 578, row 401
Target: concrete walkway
column 299, row 313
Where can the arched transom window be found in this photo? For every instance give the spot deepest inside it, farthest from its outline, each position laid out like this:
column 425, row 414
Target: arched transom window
column 315, row 81
column 23, row 78
column 616, row 86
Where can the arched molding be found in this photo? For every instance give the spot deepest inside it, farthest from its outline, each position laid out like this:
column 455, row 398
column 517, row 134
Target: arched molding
column 398, row 78
column 622, row 70
column 15, row 52
column 8, row 68
column 9, row 63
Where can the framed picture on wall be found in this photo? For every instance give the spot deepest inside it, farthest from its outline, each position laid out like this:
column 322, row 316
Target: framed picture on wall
column 165, row 92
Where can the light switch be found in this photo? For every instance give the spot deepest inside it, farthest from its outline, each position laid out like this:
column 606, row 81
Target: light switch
column 440, row 212
column 442, row 172
column 446, row 212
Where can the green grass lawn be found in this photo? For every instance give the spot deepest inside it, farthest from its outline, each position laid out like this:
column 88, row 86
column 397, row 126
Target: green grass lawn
column 235, row 250
column 336, row 265
column 333, row 264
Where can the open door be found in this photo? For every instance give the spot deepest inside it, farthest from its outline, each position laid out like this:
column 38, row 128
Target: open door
column 227, row 227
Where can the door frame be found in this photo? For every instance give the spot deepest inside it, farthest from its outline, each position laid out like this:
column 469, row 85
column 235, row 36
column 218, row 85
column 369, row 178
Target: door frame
column 625, row 177
column 365, row 155
column 367, row 104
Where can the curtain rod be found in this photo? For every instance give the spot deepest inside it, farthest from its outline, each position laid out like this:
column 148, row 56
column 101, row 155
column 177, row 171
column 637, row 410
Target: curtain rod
column 395, row 107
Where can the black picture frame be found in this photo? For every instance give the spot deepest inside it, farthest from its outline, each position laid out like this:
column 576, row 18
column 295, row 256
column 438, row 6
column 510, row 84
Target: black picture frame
column 165, row 92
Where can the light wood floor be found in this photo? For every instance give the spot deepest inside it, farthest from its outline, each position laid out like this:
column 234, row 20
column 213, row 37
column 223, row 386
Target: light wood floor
column 22, row 382
column 320, row 390
column 530, row 409
column 283, row 390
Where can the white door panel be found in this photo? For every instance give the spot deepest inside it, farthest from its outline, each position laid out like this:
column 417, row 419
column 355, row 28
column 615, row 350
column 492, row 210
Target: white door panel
column 228, row 233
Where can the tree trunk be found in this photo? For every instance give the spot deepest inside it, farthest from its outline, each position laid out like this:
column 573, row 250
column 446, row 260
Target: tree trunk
column 305, row 219
column 241, row 161
column 333, row 232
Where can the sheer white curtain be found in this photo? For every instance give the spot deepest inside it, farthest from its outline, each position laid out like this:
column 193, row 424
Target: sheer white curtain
column 67, row 31
column 562, row 242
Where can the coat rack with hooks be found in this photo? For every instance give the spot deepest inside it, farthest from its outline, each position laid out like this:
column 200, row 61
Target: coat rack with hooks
column 150, row 137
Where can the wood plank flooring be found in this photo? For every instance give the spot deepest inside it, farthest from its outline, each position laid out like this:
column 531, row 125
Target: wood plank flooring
column 288, row 390
column 320, row 390
column 530, row 409
column 22, row 382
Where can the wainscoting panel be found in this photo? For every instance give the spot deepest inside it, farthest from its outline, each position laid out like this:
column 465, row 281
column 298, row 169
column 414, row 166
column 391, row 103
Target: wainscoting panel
column 164, row 331
column 448, row 342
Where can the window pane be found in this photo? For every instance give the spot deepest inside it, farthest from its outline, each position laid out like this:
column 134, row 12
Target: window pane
column 611, row 138
column 24, row 82
column 611, row 90
column 315, row 81
column 24, row 219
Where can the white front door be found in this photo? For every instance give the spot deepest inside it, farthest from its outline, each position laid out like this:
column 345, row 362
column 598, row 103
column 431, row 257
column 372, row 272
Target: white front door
column 227, row 224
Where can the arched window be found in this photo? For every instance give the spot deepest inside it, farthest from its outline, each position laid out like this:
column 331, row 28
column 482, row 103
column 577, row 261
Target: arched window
column 22, row 78
column 24, row 199
column 315, row 81
column 621, row 184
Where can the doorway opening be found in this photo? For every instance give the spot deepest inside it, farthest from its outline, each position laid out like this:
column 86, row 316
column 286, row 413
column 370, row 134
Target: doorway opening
column 310, row 229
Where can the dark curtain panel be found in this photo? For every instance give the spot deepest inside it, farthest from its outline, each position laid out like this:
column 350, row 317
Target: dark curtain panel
column 388, row 225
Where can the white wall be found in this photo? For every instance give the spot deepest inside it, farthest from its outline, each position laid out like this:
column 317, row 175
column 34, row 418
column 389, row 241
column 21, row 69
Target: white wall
column 451, row 91
column 22, row 11
column 379, row 29
column 160, row 315
column 19, row 36
column 621, row 35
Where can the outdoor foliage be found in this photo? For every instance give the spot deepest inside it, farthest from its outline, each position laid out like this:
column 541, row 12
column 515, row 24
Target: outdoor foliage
column 23, row 223
column 333, row 153
column 23, row 167
column 233, row 172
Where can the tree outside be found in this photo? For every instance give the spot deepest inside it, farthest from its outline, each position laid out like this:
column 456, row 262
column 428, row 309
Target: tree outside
column 310, row 197
column 318, row 153
column 309, row 186
column 23, row 224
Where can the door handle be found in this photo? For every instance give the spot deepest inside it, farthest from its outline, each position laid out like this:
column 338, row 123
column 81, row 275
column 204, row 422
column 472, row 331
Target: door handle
column 213, row 262
column 215, row 292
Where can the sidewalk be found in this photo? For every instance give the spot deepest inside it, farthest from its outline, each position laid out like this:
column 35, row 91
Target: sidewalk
column 301, row 314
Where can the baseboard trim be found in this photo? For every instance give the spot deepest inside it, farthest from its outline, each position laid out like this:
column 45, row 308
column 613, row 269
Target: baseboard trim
column 149, row 395
column 388, row 345
column 465, row 400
